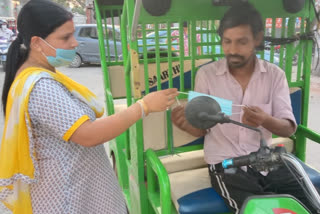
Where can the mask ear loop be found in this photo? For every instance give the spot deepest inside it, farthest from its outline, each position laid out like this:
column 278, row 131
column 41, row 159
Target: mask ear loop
column 48, row 44
column 237, row 105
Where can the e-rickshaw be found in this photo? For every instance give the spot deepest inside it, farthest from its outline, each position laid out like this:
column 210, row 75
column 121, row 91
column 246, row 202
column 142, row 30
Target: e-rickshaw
column 160, row 168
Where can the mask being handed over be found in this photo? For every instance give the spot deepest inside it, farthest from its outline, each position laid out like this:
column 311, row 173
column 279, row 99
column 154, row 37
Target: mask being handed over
column 63, row 56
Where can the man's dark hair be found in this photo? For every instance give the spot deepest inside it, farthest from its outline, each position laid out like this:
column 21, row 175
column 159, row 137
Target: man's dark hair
column 241, row 14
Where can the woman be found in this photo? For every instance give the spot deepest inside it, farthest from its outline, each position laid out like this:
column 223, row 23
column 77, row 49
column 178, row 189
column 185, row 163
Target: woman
column 51, row 156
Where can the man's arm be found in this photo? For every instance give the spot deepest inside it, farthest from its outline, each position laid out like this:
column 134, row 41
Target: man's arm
column 254, row 116
column 179, row 119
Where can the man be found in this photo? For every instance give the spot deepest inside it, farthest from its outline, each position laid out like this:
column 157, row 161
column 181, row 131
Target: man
column 263, row 89
column 5, row 32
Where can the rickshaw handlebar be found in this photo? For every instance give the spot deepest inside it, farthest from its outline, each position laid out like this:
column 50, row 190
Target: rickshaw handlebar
column 263, row 159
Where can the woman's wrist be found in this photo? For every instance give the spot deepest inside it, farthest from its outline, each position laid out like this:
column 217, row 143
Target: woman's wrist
column 144, row 107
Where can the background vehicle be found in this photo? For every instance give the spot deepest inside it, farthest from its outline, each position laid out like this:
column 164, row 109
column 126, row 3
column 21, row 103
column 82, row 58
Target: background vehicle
column 88, row 48
column 153, row 150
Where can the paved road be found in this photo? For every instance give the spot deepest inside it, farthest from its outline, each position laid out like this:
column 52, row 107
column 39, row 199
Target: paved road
column 92, row 78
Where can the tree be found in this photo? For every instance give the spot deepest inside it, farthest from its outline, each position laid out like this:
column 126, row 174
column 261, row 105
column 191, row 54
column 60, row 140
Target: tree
column 76, row 6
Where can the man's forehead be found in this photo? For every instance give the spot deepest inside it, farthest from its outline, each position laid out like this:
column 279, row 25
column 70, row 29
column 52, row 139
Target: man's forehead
column 238, row 32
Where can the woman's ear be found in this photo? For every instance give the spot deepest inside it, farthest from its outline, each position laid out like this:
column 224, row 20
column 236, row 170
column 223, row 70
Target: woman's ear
column 35, row 43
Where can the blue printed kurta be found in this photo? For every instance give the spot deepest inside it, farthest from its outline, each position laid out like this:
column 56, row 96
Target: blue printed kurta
column 70, row 178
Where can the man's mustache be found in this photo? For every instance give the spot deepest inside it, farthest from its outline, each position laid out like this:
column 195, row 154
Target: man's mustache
column 234, row 56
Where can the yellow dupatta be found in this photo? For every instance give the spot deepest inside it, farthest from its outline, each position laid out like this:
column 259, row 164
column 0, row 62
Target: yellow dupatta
column 17, row 156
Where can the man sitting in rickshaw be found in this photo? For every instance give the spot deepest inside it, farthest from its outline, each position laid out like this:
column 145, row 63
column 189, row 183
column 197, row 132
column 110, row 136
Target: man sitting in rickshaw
column 261, row 87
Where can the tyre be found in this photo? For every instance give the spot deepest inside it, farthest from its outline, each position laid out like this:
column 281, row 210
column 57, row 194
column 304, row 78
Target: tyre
column 76, row 62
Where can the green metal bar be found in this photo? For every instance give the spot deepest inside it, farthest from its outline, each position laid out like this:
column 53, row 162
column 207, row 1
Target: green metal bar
column 155, row 166
column 126, row 56
column 297, row 51
column 302, row 133
column 156, row 30
column 107, row 37
column 133, row 45
column 301, row 43
column 145, row 59
column 120, row 156
column 283, row 30
column 273, row 33
column 193, row 48
column 262, row 52
column 138, row 189
column 123, row 31
column 308, row 133
column 181, row 54
column 127, row 67
column 169, row 55
column 307, row 75
column 209, row 27
column 108, row 94
column 114, row 37
column 213, row 47
column 169, row 132
column 301, row 140
column 289, row 50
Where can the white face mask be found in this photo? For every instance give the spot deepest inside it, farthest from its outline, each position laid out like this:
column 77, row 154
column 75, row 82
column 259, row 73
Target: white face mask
column 4, row 27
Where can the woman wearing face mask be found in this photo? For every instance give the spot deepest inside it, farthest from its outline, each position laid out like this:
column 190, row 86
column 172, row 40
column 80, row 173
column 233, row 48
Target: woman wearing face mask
column 52, row 159
column 5, row 32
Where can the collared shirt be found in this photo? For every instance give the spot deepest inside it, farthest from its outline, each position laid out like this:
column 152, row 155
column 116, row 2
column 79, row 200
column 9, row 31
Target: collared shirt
column 267, row 89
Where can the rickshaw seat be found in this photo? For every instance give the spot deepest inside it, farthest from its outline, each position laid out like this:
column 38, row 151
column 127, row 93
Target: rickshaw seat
column 191, row 192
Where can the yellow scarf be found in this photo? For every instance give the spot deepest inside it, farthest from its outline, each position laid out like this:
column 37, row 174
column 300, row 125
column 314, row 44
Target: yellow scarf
column 16, row 157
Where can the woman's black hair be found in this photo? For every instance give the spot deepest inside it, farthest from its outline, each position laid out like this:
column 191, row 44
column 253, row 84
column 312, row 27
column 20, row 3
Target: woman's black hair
column 241, row 14
column 36, row 18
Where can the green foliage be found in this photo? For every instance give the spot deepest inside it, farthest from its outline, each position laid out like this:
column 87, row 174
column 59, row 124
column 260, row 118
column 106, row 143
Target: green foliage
column 76, row 6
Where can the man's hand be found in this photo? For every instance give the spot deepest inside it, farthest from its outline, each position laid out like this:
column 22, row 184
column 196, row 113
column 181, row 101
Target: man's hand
column 178, row 118
column 254, row 116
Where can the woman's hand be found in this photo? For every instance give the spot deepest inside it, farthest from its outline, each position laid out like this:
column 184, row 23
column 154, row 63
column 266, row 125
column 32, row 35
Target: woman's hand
column 160, row 100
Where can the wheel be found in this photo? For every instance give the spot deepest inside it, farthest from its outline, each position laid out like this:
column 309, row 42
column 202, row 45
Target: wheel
column 76, row 62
